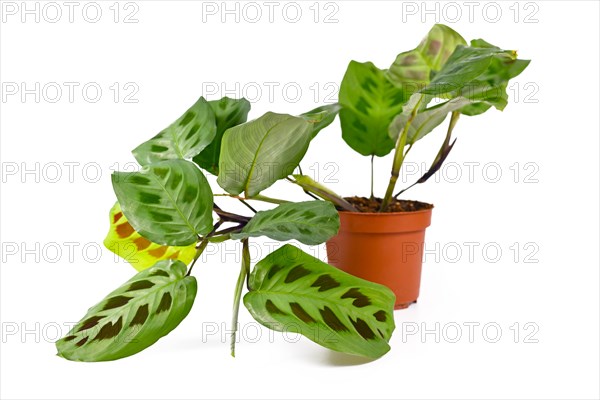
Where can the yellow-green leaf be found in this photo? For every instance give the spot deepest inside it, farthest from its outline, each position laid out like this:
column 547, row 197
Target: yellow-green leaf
column 141, row 253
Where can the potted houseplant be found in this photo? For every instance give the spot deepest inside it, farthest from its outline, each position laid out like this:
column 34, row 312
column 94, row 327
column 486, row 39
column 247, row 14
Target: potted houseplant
column 167, row 214
column 383, row 111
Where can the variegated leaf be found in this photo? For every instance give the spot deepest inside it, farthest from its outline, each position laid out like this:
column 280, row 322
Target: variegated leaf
column 228, row 113
column 133, row 317
column 141, row 253
column 168, row 203
column 183, row 139
column 309, row 222
column 293, row 291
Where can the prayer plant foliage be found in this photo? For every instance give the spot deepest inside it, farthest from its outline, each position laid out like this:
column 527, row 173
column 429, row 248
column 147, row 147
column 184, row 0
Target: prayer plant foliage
column 166, row 213
column 392, row 109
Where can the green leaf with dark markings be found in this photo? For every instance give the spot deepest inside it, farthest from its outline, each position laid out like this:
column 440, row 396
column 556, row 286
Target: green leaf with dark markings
column 471, row 71
column 369, row 102
column 228, row 113
column 489, row 88
column 133, row 317
column 183, row 139
column 412, row 70
column 293, row 291
column 258, row 153
column 371, row 97
column 168, row 203
column 321, row 117
column 309, row 222
column 425, row 120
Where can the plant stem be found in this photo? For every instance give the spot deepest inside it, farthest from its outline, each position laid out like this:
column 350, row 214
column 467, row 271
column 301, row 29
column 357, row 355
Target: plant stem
column 257, row 197
column 199, row 250
column 202, row 245
column 399, row 156
column 372, row 157
column 220, row 238
column 398, row 160
column 244, row 271
column 233, row 229
column 324, row 193
column 453, row 120
column 247, row 205
column 229, row 217
column 266, row 199
column 404, row 190
column 311, row 195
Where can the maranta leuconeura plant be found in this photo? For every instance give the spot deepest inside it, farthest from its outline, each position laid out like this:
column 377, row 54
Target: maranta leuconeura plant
column 167, row 212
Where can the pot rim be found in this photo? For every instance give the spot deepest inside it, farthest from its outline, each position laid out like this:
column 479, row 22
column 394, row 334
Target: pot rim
column 380, row 214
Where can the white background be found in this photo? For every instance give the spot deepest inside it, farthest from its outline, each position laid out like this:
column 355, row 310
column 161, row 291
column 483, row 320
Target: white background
column 549, row 209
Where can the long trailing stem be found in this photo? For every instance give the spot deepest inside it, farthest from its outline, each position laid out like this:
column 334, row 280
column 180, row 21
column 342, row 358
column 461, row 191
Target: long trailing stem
column 243, row 276
column 441, row 155
column 399, row 156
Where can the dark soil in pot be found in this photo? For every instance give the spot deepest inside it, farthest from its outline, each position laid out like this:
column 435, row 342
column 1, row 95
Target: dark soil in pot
column 372, row 205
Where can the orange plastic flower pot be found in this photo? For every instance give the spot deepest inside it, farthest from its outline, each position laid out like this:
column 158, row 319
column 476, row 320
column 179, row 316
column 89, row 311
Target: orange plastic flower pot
column 386, row 248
